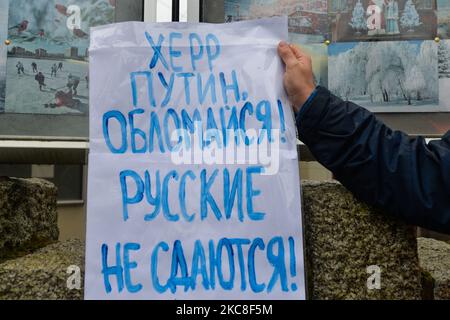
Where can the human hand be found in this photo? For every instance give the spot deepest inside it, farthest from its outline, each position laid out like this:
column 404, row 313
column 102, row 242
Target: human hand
column 298, row 79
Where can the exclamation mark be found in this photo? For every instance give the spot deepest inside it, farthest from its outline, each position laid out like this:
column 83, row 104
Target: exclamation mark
column 293, row 267
column 282, row 124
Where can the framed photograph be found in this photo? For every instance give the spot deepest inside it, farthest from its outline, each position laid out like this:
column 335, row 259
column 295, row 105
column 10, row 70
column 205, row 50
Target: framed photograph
column 388, row 76
column 443, row 16
column 47, row 65
column 381, row 20
column 3, row 37
column 305, row 17
column 42, row 34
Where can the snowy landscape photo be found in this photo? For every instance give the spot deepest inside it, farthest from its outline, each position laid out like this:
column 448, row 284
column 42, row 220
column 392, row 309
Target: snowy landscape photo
column 3, row 38
column 443, row 14
column 386, row 76
column 444, row 74
column 47, row 65
column 381, row 20
column 306, row 17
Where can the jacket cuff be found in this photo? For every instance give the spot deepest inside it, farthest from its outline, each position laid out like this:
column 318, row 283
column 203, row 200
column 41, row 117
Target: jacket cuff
column 307, row 103
column 312, row 111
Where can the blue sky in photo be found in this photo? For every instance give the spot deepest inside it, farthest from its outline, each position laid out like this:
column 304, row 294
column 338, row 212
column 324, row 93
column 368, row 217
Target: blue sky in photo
column 337, row 48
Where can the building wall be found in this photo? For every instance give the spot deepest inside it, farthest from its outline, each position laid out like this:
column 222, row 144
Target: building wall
column 314, row 171
column 72, row 222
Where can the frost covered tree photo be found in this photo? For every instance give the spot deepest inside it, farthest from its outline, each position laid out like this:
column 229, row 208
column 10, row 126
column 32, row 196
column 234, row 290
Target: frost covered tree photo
column 358, row 21
column 444, row 73
column 444, row 59
column 410, row 18
column 386, row 76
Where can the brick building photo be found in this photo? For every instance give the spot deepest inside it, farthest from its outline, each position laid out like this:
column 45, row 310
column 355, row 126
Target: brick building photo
column 308, row 22
column 366, row 20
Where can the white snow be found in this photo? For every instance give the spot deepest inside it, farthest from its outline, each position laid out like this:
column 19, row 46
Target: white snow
column 398, row 106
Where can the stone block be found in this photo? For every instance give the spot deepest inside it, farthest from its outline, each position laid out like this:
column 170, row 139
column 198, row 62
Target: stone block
column 344, row 237
column 28, row 217
column 43, row 274
column 434, row 257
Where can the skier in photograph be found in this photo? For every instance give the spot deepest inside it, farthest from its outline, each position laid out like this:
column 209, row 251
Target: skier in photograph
column 405, row 176
column 40, row 78
column 87, row 81
column 20, row 68
column 54, row 69
column 72, row 83
column 34, row 67
column 60, row 66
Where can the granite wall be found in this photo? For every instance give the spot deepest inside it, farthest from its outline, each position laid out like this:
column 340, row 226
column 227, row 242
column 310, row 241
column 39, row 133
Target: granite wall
column 347, row 242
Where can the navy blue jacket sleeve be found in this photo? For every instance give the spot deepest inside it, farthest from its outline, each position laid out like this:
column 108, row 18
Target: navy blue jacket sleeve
column 404, row 176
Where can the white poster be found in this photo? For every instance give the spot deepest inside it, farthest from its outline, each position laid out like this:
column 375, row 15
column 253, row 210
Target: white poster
column 193, row 188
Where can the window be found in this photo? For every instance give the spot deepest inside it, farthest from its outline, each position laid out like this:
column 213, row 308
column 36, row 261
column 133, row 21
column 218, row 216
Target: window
column 163, row 10
column 67, row 178
column 183, row 10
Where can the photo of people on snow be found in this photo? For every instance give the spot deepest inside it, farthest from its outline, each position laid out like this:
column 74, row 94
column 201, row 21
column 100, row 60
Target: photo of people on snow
column 47, row 65
column 367, row 20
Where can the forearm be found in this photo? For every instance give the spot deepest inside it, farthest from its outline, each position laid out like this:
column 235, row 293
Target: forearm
column 384, row 168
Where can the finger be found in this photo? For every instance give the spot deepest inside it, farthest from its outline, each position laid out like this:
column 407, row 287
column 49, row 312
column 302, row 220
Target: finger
column 286, row 54
column 298, row 52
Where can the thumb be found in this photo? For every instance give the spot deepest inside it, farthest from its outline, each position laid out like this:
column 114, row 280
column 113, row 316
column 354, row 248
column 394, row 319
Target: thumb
column 286, row 54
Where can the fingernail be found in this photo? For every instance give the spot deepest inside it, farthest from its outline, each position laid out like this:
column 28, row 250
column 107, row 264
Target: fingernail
column 283, row 44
